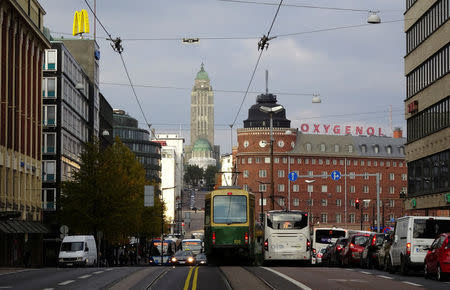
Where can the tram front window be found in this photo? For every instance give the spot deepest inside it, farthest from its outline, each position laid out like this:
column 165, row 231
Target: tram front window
column 230, row 209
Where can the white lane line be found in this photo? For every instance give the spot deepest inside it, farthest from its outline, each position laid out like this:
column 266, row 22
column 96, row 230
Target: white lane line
column 368, row 273
column 84, row 276
column 295, row 282
column 98, row 272
column 109, row 269
column 385, row 277
column 48, row 289
column 66, row 282
column 411, row 283
column 348, row 269
column 5, row 287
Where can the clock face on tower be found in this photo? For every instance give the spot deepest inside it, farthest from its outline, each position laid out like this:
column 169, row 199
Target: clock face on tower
column 280, row 143
column 262, row 143
column 246, row 143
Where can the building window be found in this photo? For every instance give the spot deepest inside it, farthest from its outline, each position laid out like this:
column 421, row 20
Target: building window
column 324, row 202
column 369, row 163
column 243, row 160
column 49, row 199
column 50, row 59
column 250, row 160
column 245, row 187
column 338, row 188
column 267, row 160
column 262, row 173
column 313, row 161
column 324, row 174
column 246, row 174
column 375, row 163
column 352, row 175
column 280, row 173
column 391, row 190
column 327, row 161
column 48, row 170
column 49, row 87
column 352, row 202
column 355, row 162
column 324, row 188
column 257, row 159
column 295, row 188
column 338, row 218
column 352, row 218
column 362, row 163
column 49, row 143
column 263, row 202
column 322, row 147
column 281, row 201
column 363, row 148
column 366, row 175
column 366, row 203
column 391, row 176
column 292, row 160
column 366, row 189
column 296, row 202
column 262, row 187
column 391, row 218
column 336, row 148
column 49, row 115
column 284, row 160
column 299, row 161
column 320, row 161
column 338, row 202
column 310, row 188
column 404, row 176
column 281, row 187
column 311, row 202
column 308, row 147
column 276, row 160
column 376, row 149
column 389, row 150
column 391, row 203
column 310, row 173
column 365, row 217
column 307, row 161
column 341, row 162
column 350, row 148
column 323, row 218
column 334, row 162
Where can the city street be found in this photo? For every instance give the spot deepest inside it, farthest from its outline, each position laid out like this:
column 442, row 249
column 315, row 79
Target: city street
column 212, row 277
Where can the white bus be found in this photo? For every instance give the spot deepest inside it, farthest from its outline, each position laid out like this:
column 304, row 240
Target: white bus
column 322, row 237
column 287, row 236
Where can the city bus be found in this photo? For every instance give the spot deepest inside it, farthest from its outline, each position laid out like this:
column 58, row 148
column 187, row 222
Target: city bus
column 322, row 237
column 287, row 236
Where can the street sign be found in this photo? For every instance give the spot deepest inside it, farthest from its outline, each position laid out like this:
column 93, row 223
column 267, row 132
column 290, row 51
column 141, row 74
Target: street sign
column 293, row 176
column 64, row 229
column 335, row 175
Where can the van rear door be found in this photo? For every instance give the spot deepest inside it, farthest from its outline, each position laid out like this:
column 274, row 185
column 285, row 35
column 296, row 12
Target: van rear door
column 425, row 231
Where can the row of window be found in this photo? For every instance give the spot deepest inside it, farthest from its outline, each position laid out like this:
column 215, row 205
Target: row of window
column 48, row 143
column 430, row 120
column 49, row 88
column 72, row 69
column 313, row 161
column 428, row 72
column 126, row 133
column 144, row 160
column 351, row 175
column 76, row 100
column 49, row 115
column 50, row 60
column 49, row 170
column 429, row 174
column 323, row 188
column 71, row 146
column 74, row 124
column 143, row 147
column 324, row 202
column 409, row 4
column 49, row 199
column 427, row 24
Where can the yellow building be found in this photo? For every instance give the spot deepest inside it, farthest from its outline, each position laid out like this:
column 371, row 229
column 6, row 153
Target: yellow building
column 22, row 44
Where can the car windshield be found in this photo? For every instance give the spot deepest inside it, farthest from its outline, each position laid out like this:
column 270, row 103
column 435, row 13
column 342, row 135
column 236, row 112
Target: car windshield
column 287, row 221
column 430, row 228
column 184, row 254
column 360, row 240
column 326, row 236
column 72, row 246
column 230, row 209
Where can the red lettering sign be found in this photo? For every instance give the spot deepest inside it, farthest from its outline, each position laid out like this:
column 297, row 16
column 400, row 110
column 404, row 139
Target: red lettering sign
column 370, row 131
column 348, row 130
column 304, row 127
column 316, row 128
column 359, row 130
column 326, row 127
column 337, row 129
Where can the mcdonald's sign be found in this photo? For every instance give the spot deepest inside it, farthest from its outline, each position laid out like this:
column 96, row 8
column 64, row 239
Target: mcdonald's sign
column 80, row 22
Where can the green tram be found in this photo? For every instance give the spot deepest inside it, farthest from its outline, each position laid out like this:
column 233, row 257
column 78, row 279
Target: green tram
column 230, row 225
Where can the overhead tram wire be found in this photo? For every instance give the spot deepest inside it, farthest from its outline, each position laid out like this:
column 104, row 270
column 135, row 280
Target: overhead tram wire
column 297, row 5
column 262, row 44
column 117, row 47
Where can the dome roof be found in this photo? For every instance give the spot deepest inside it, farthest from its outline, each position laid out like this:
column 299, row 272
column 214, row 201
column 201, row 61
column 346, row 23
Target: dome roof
column 256, row 118
column 201, row 145
column 202, row 75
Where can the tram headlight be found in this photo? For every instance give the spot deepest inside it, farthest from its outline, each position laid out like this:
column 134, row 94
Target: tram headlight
column 190, row 260
column 174, row 260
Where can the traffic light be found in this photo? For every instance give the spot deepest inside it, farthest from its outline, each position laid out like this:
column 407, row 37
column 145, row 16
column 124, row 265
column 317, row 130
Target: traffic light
column 357, row 203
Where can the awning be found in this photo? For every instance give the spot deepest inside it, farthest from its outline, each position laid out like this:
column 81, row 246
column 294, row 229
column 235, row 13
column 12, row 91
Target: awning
column 22, row 227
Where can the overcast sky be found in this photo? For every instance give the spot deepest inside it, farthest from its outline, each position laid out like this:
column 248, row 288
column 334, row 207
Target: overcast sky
column 358, row 72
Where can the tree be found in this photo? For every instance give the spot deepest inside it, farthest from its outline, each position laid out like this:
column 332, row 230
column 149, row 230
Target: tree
column 107, row 194
column 210, row 176
column 193, row 175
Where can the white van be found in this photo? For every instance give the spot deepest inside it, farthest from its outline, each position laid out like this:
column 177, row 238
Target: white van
column 78, row 251
column 412, row 235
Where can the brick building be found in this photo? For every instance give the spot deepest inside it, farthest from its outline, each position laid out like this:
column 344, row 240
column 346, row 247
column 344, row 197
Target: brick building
column 332, row 202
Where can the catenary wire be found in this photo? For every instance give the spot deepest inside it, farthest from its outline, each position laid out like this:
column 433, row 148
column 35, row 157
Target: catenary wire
column 297, row 5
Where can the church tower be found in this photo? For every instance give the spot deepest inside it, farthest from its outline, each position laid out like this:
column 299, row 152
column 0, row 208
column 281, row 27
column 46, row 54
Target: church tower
column 202, row 109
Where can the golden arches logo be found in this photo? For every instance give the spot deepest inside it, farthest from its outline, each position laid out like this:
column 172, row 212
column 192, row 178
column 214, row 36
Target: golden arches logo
column 80, row 22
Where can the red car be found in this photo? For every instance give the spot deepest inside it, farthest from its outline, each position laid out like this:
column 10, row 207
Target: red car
column 351, row 254
column 437, row 260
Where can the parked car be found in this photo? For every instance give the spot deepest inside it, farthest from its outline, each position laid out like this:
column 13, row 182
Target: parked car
column 78, row 251
column 369, row 257
column 185, row 257
column 201, row 259
column 383, row 252
column 412, row 235
column 335, row 251
column 353, row 250
column 437, row 260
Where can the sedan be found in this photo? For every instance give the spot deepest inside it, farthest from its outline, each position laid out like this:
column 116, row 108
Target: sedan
column 437, row 260
column 183, row 258
column 201, row 259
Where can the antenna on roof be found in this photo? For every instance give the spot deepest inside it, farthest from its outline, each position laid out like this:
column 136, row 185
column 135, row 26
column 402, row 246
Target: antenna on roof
column 267, row 81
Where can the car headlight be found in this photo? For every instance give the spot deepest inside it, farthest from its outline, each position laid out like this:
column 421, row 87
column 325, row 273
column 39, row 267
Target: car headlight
column 190, row 259
column 202, row 262
column 61, row 260
column 174, row 259
column 79, row 259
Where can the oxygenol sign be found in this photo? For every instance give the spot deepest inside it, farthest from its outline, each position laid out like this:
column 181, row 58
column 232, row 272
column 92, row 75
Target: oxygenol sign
column 340, row 130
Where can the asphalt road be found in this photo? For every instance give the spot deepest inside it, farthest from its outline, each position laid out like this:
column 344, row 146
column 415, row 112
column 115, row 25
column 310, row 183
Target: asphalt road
column 212, row 277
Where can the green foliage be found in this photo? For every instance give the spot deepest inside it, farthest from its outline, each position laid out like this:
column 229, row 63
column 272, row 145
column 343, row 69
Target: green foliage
column 193, row 175
column 210, row 176
column 107, row 194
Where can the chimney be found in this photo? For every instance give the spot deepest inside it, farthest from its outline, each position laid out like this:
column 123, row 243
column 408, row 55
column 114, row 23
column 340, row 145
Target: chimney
column 397, row 132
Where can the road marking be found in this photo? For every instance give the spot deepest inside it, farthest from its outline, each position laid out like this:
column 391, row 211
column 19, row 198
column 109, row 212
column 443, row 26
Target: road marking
column 349, row 269
column 109, row 269
column 385, row 277
column 411, row 283
column 188, row 279
column 194, row 282
column 5, row 287
column 295, row 282
column 84, row 276
column 348, row 280
column 66, row 282
column 48, row 289
column 98, row 272
column 368, row 273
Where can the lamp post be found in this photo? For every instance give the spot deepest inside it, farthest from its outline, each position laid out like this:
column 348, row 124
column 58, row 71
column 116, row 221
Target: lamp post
column 262, row 201
column 309, row 181
column 271, row 111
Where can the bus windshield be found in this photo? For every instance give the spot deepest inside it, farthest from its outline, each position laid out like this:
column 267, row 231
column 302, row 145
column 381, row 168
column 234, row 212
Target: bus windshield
column 192, row 245
column 287, row 221
column 327, row 236
column 229, row 209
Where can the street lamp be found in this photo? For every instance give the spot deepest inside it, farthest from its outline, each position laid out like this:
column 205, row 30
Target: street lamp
column 262, row 201
column 309, row 181
column 374, row 18
column 271, row 111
